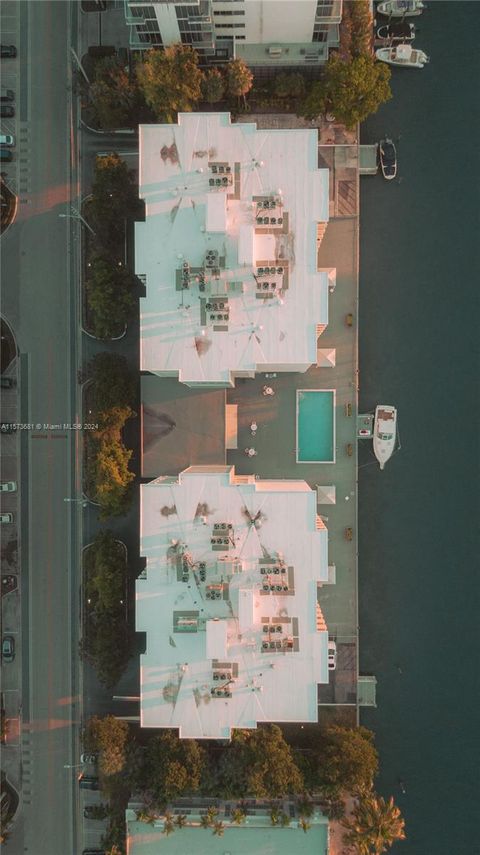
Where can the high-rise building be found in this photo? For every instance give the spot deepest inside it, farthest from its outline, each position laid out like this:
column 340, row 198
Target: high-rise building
column 266, row 33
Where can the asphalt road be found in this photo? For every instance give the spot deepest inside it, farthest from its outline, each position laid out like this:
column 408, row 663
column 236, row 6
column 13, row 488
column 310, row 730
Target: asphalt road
column 37, row 291
column 41, row 300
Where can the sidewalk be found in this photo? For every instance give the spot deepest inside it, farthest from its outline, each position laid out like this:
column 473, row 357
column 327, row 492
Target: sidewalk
column 102, row 28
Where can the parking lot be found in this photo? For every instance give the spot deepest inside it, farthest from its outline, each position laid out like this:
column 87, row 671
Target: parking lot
column 10, row 67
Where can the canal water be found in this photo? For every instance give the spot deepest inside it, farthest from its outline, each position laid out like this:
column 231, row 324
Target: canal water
column 419, row 519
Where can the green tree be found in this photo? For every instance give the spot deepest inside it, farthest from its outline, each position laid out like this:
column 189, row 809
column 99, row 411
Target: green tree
column 106, row 571
column 113, row 383
column 375, row 825
column 110, row 299
column 274, row 816
column 107, row 645
column 213, row 86
column 218, row 828
column 342, row 759
column 108, row 476
column 109, row 735
column 356, row 29
column 289, row 85
column 239, row 79
column 173, row 766
column 181, row 820
column 211, row 814
column 304, row 824
column 259, row 763
column 205, row 821
column 238, row 816
column 351, row 90
column 114, row 197
column 114, row 94
column 168, row 823
column 146, row 815
column 170, row 80
column 284, row 819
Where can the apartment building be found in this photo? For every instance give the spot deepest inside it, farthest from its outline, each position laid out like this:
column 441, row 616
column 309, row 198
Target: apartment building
column 228, row 249
column 267, row 33
column 229, row 601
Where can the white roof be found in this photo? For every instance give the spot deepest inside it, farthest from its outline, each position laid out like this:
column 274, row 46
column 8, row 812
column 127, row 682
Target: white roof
column 186, row 217
column 191, row 636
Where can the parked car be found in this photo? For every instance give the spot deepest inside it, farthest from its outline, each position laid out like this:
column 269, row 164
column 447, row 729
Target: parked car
column 5, row 154
column 7, row 111
column 6, row 96
column 332, row 656
column 8, row 487
column 88, row 758
column 8, row 648
column 8, row 382
column 6, row 518
column 7, row 139
column 8, row 51
column 89, row 782
column 94, row 852
column 99, row 811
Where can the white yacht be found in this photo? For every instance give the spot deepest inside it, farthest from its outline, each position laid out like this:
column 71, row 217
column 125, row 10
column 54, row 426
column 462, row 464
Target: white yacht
column 402, row 55
column 401, row 8
column 384, row 433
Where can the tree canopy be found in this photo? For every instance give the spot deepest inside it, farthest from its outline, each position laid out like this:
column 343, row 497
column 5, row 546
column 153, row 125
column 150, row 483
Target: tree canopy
column 213, row 86
column 341, row 759
column 114, row 198
column 173, row 766
column 375, row 825
column 105, row 571
column 108, row 736
column 239, row 78
column 289, row 85
column 114, row 94
column 170, row 80
column 113, row 382
column 351, row 90
column 259, row 763
column 111, row 302
column 355, row 29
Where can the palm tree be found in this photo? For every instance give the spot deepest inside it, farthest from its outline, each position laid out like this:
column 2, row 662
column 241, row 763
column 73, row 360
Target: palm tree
column 304, row 824
column 274, row 815
column 238, row 816
column 146, row 815
column 168, row 823
column 205, row 821
column 284, row 819
column 212, row 813
column 181, row 820
column 375, row 825
column 218, row 828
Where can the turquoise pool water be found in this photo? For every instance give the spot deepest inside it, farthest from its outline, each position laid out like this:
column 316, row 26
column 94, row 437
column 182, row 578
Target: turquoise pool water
column 315, row 426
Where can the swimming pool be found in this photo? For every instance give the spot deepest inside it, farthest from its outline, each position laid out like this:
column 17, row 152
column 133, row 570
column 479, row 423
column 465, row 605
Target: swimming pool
column 315, row 426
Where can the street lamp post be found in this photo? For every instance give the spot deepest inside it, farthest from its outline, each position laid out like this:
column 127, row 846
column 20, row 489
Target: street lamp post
column 76, row 215
column 81, row 502
column 77, row 60
column 73, row 765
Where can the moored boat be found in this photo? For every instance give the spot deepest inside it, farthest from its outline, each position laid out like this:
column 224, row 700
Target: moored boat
column 401, row 8
column 396, row 31
column 388, row 158
column 403, row 56
column 384, row 433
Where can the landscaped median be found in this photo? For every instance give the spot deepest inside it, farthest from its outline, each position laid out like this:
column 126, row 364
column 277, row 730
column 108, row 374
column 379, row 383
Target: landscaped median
column 107, row 639
column 109, row 294
column 109, row 397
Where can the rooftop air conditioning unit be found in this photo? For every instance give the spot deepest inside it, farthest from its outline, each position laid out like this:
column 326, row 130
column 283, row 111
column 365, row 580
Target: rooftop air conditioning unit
column 275, row 51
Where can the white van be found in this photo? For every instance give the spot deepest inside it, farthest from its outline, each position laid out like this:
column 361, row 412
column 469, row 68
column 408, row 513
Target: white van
column 7, row 139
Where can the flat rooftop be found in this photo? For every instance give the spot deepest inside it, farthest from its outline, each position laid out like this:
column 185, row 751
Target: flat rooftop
column 236, row 840
column 228, row 249
column 229, row 602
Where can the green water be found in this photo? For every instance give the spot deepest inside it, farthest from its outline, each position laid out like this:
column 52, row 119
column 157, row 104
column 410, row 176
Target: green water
column 315, row 426
column 419, row 549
